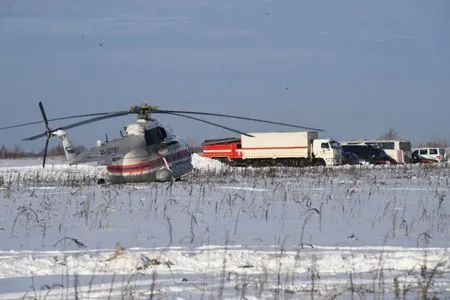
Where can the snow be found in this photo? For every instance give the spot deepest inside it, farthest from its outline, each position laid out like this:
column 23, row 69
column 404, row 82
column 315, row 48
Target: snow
column 224, row 233
column 204, row 163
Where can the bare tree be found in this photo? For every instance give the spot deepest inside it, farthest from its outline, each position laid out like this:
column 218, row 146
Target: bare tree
column 390, row 134
column 192, row 142
column 17, row 152
column 3, row 152
column 435, row 142
column 57, row 150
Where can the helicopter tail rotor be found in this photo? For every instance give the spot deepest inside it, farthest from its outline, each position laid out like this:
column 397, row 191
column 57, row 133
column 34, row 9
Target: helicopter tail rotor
column 57, row 132
column 47, row 132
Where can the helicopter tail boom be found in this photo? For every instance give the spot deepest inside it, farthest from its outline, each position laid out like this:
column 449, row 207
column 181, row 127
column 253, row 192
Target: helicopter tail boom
column 69, row 150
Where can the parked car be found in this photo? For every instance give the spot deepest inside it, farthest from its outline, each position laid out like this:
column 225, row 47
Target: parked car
column 416, row 158
column 369, row 154
column 434, row 153
column 350, row 158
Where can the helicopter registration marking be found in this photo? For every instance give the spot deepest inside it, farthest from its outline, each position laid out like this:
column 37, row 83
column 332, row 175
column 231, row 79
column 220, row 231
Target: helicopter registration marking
column 109, row 150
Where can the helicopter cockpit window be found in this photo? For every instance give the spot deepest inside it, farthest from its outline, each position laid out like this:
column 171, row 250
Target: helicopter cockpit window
column 155, row 135
column 162, row 132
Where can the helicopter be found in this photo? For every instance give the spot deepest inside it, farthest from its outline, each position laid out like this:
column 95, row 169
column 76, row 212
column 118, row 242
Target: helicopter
column 147, row 151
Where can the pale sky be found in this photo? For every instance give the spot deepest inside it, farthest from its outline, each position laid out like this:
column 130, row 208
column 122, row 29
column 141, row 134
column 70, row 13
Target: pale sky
column 353, row 68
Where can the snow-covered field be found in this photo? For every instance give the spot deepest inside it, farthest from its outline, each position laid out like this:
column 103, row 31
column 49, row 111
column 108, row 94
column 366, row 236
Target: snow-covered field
column 370, row 232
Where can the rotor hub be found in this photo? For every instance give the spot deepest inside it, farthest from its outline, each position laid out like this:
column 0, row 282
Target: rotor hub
column 143, row 111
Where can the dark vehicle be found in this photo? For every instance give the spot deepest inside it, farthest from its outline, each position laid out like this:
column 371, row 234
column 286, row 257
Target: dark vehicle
column 418, row 159
column 370, row 154
column 350, row 158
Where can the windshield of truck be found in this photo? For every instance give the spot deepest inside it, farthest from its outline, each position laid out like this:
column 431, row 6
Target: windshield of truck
column 335, row 145
column 324, row 146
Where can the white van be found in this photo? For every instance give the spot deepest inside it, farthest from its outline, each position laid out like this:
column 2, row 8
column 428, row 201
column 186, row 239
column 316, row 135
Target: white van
column 438, row 154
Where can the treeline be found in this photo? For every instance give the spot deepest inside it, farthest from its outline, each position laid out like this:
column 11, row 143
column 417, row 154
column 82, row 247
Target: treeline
column 17, row 152
column 435, row 141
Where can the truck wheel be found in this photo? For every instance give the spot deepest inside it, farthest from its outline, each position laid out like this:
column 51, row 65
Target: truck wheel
column 319, row 162
column 300, row 162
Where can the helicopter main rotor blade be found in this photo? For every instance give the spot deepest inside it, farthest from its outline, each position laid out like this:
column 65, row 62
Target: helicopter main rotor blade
column 235, row 117
column 108, row 116
column 55, row 119
column 208, row 122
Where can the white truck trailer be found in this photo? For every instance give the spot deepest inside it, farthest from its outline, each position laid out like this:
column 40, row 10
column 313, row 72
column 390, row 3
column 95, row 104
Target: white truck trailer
column 275, row 148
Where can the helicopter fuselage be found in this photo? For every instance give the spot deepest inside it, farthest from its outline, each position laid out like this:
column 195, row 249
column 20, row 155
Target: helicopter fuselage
column 146, row 152
column 147, row 164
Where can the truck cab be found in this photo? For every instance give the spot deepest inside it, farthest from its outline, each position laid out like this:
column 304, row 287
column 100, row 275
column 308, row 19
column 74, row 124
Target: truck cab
column 328, row 150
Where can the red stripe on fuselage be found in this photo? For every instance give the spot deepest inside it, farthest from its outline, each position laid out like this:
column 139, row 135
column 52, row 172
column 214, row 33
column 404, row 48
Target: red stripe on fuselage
column 149, row 164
